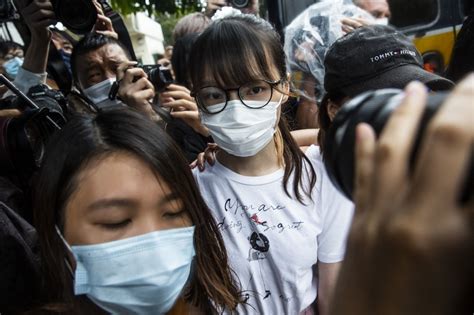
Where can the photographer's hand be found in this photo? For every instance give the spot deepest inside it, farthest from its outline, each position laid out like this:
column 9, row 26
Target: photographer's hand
column 135, row 89
column 214, row 5
column 411, row 246
column 103, row 25
column 38, row 15
column 183, row 106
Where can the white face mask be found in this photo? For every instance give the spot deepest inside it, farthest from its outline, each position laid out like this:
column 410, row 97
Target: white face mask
column 240, row 130
column 98, row 94
column 144, row 274
column 381, row 21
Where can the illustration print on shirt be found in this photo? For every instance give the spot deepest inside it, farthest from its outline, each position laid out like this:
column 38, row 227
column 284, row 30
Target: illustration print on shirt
column 249, row 219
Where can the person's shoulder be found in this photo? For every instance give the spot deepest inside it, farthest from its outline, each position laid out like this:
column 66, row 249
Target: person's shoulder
column 313, row 153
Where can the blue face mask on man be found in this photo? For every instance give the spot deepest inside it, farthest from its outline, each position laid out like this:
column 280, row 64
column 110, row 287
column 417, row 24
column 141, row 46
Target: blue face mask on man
column 66, row 57
column 144, row 274
column 12, row 66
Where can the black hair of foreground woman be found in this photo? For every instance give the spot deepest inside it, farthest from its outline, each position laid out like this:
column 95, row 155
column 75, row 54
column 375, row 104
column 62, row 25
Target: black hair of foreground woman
column 78, row 160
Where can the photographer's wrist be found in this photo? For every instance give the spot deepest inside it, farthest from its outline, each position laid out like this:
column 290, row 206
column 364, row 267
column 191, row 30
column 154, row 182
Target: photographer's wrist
column 41, row 35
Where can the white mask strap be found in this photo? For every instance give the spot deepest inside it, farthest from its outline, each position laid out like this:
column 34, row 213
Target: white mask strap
column 66, row 260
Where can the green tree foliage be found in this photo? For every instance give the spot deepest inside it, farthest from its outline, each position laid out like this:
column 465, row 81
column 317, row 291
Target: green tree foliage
column 156, row 6
column 165, row 12
column 167, row 22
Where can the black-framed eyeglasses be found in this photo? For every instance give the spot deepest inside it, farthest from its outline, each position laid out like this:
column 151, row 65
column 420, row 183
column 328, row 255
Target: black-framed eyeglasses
column 255, row 94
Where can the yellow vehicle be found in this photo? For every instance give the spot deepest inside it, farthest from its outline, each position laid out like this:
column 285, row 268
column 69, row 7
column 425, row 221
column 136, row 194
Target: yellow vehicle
column 433, row 24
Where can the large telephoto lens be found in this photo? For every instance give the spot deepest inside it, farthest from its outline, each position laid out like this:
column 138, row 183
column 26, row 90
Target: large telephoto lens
column 373, row 108
column 78, row 16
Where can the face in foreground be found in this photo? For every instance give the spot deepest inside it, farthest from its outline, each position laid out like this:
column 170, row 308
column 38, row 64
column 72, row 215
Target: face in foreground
column 118, row 196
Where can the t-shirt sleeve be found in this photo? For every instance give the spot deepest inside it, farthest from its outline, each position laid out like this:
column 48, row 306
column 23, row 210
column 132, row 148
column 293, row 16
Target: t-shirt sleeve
column 336, row 215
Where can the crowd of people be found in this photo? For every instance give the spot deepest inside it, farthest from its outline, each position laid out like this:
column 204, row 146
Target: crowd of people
column 198, row 196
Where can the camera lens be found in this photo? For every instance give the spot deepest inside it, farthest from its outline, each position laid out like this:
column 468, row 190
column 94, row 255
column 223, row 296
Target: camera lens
column 239, row 3
column 373, row 108
column 79, row 16
column 160, row 77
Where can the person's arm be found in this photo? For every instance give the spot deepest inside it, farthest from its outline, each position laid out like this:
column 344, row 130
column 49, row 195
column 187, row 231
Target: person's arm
column 326, row 284
column 305, row 137
column 103, row 25
column 213, row 5
column 38, row 15
column 307, row 110
column 411, row 246
column 335, row 212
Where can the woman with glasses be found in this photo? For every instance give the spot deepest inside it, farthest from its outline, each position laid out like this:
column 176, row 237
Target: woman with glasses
column 283, row 223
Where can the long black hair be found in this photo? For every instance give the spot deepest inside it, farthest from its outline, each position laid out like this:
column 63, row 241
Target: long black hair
column 243, row 48
column 86, row 138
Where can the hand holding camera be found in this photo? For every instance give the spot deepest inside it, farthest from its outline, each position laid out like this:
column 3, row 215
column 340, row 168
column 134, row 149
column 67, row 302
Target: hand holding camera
column 411, row 230
column 103, row 25
column 178, row 98
column 38, row 15
column 246, row 6
column 135, row 89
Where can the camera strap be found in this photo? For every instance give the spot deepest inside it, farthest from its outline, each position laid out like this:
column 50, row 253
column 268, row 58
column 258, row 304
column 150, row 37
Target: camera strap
column 119, row 27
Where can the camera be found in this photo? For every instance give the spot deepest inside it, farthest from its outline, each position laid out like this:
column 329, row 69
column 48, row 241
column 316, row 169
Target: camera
column 239, row 3
column 23, row 139
column 45, row 97
column 374, row 108
column 79, row 16
column 7, row 11
column 160, row 76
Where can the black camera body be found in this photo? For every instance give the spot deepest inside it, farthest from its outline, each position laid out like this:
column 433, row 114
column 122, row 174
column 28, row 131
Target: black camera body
column 374, row 108
column 7, row 11
column 240, row 4
column 23, row 139
column 160, row 76
column 42, row 96
column 45, row 97
column 79, row 16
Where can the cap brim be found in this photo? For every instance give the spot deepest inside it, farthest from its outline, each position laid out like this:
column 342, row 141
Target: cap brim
column 398, row 78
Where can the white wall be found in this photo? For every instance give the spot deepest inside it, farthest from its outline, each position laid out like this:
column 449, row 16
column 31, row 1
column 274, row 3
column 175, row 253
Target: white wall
column 147, row 36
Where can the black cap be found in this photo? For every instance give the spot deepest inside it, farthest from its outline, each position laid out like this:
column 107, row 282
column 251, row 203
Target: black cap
column 376, row 57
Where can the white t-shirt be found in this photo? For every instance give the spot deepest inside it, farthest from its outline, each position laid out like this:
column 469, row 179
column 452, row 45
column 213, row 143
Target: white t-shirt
column 273, row 241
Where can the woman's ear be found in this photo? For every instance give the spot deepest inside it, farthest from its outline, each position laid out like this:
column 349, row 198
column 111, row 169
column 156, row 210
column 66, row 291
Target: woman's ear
column 286, row 89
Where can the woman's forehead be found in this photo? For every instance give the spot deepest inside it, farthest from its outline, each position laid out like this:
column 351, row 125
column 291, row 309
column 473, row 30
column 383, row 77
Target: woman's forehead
column 235, row 74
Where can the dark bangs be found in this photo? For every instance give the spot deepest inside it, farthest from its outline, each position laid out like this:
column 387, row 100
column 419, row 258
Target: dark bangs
column 223, row 51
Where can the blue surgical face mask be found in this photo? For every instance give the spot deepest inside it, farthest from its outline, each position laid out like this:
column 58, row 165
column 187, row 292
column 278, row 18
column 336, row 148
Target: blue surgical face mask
column 12, row 66
column 139, row 275
column 66, row 57
column 98, row 94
